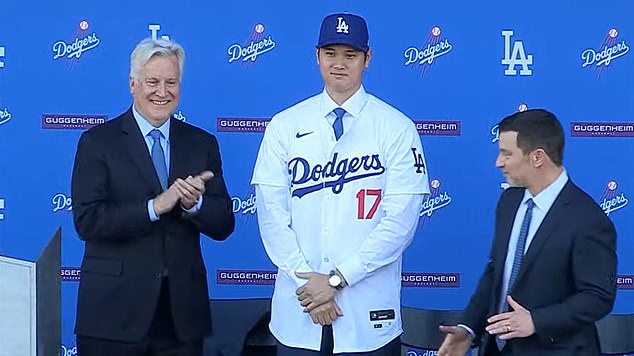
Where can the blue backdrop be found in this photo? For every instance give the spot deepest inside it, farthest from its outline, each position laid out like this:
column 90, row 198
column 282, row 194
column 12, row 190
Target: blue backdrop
column 456, row 68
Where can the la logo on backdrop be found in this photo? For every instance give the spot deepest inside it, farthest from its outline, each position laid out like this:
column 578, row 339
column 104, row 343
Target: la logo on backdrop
column 255, row 45
column 434, row 47
column 82, row 41
column 515, row 55
column 610, row 49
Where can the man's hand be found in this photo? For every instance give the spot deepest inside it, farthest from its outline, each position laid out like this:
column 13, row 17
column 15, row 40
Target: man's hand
column 166, row 201
column 456, row 343
column 516, row 323
column 326, row 313
column 191, row 188
column 315, row 292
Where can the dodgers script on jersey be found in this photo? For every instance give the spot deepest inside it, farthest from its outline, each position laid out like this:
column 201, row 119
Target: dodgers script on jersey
column 350, row 204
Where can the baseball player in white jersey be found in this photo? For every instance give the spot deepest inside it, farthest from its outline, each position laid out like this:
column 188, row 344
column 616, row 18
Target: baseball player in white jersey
column 339, row 179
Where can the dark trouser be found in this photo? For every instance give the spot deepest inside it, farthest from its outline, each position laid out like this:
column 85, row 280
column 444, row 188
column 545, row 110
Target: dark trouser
column 492, row 349
column 393, row 348
column 160, row 341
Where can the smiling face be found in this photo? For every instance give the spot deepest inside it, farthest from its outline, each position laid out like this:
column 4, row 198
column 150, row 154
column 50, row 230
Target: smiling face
column 156, row 90
column 341, row 68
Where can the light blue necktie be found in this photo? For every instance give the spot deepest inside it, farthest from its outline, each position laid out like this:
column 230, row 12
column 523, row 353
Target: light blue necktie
column 517, row 260
column 338, row 124
column 158, row 157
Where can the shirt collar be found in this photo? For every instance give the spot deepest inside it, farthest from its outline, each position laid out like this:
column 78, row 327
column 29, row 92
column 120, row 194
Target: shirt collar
column 545, row 199
column 146, row 127
column 353, row 105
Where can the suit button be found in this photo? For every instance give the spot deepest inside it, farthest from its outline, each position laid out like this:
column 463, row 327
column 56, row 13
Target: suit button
column 158, row 275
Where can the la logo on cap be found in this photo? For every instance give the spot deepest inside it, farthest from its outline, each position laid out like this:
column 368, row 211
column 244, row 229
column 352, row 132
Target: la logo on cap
column 342, row 26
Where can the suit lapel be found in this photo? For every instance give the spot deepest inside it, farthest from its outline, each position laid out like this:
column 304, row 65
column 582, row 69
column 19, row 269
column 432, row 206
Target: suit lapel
column 551, row 221
column 508, row 207
column 178, row 152
column 506, row 225
column 137, row 149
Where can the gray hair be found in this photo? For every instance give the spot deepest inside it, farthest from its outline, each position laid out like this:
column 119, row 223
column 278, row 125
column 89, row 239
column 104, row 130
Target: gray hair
column 148, row 48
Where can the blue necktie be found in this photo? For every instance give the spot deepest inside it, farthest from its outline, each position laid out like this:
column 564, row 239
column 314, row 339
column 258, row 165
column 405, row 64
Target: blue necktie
column 517, row 260
column 158, row 157
column 338, row 124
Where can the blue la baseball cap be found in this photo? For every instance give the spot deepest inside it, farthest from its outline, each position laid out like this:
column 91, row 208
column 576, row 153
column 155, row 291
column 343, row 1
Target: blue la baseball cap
column 345, row 29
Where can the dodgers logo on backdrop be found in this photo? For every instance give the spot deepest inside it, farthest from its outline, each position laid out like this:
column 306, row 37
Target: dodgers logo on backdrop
column 257, row 44
column 422, row 58
column 62, row 202
column 436, row 199
column 5, row 115
column 495, row 130
column 81, row 42
column 179, row 116
column 611, row 200
column 611, row 48
column 69, row 350
column 334, row 174
column 245, row 206
column 515, row 56
column 1, row 209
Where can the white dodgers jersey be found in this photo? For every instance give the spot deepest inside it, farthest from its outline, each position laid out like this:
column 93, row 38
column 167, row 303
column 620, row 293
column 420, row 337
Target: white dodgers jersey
column 336, row 190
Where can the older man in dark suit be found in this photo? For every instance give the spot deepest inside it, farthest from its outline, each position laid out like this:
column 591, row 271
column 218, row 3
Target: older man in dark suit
column 552, row 265
column 144, row 187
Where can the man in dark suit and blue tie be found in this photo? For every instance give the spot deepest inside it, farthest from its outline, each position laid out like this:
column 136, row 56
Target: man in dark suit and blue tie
column 552, row 266
column 144, row 187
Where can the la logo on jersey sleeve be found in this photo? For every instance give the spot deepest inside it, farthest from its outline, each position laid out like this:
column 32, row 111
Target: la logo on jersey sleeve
column 419, row 162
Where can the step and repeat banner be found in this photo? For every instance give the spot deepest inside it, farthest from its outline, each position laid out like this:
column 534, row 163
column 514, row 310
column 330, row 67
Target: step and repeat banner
column 455, row 68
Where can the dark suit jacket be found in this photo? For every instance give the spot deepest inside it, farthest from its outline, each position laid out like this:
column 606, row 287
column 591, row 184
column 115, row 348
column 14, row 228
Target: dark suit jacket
column 567, row 279
column 126, row 254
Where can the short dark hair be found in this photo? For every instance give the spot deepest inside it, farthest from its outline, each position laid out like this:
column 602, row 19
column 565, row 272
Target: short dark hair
column 537, row 128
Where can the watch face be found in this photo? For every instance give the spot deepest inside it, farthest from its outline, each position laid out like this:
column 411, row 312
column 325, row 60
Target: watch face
column 334, row 280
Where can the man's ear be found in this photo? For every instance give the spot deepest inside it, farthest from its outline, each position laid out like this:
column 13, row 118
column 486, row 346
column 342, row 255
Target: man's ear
column 539, row 157
column 368, row 56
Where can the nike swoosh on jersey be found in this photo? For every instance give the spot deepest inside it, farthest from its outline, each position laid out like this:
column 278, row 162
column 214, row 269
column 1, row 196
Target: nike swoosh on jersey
column 300, row 135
